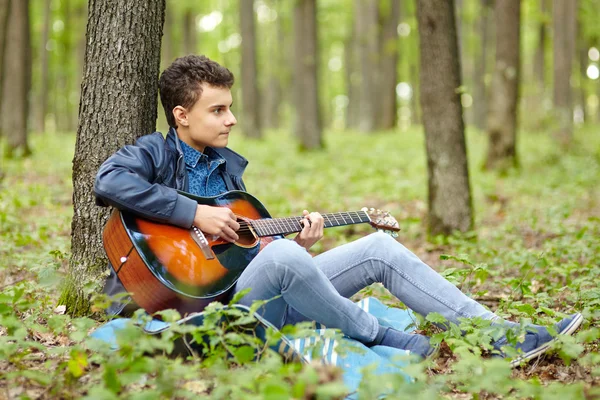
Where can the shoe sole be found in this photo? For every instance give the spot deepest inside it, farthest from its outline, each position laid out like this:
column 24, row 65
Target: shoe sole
column 530, row 355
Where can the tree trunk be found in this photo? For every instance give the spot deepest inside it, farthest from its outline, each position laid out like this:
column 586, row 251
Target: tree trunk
column 564, row 52
column 189, row 31
column 250, row 121
column 17, row 80
column 582, row 55
column 504, row 94
column 539, row 61
column 270, row 112
column 4, row 13
column 118, row 104
column 352, row 78
column 480, row 89
column 307, row 124
column 67, row 62
column 458, row 17
column 167, row 54
column 367, row 22
column 450, row 205
column 42, row 106
column 389, row 67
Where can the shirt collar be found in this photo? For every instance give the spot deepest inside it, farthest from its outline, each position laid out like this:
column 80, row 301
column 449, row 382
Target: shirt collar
column 193, row 156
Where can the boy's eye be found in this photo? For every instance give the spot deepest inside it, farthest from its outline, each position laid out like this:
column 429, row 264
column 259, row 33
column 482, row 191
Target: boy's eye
column 217, row 111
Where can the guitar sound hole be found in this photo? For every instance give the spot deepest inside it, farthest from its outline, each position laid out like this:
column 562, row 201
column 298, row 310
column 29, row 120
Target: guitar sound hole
column 247, row 238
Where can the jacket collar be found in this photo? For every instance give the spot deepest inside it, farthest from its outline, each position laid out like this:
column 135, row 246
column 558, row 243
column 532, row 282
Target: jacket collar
column 235, row 164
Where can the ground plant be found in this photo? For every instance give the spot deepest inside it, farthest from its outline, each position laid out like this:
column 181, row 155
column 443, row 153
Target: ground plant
column 534, row 255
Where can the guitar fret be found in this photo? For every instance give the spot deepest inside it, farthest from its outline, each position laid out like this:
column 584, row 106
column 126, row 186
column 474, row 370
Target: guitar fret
column 286, row 225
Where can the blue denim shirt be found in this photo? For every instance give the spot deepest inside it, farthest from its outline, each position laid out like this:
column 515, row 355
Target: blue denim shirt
column 204, row 178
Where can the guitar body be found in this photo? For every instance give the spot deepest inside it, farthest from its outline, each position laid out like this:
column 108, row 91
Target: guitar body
column 162, row 266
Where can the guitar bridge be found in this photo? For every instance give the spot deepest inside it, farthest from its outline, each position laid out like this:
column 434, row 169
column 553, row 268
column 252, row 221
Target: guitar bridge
column 201, row 241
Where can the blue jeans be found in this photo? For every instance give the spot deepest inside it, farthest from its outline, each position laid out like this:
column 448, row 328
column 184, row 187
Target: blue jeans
column 318, row 288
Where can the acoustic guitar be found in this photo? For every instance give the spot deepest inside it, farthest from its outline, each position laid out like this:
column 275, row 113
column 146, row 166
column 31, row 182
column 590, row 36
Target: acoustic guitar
column 164, row 266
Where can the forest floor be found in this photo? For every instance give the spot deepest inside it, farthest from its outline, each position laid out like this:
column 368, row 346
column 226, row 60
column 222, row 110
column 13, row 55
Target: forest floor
column 534, row 254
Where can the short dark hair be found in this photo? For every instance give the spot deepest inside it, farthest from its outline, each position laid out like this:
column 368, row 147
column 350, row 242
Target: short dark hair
column 180, row 84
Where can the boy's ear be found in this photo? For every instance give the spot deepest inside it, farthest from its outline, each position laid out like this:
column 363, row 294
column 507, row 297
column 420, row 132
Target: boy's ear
column 180, row 115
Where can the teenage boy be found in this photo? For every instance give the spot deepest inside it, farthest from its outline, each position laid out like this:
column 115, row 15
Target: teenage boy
column 144, row 178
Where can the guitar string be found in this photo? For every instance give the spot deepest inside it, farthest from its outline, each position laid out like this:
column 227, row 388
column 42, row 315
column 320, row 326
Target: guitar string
column 285, row 224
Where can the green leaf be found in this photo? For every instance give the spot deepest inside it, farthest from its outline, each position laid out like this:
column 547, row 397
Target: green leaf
column 244, row 354
column 77, row 363
column 436, row 318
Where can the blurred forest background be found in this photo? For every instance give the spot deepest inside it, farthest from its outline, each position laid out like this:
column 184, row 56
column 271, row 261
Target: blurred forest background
column 368, row 55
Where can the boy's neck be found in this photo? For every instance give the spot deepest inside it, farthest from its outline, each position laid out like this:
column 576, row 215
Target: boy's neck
column 181, row 134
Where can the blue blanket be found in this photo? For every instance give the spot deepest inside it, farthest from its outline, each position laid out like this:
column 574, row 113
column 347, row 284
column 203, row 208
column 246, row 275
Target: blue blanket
column 382, row 359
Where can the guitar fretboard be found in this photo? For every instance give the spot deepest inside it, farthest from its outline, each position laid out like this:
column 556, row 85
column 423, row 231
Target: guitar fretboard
column 283, row 226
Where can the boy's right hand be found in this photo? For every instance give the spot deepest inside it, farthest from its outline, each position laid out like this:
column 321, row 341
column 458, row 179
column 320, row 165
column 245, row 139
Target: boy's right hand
column 219, row 221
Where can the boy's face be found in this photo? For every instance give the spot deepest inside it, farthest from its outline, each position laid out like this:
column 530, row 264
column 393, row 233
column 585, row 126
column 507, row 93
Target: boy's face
column 209, row 121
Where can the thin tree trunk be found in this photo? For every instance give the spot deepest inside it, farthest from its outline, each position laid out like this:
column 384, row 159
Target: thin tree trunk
column 564, row 53
column 449, row 202
column 504, row 94
column 307, row 125
column 366, row 18
column 272, row 91
column 17, row 80
column 167, row 56
column 40, row 125
column 480, row 89
column 250, row 121
column 458, row 16
column 118, row 104
column 189, row 31
column 67, row 62
column 539, row 61
column 416, row 117
column 582, row 54
column 352, row 75
column 389, row 67
column 4, row 14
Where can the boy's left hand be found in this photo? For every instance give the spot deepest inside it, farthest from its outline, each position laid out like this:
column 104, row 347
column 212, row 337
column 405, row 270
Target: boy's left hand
column 312, row 231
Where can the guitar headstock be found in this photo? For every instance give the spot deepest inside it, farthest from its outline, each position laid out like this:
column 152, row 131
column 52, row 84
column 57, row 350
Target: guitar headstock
column 382, row 221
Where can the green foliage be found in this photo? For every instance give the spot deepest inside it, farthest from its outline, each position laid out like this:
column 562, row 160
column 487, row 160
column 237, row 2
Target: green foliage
column 535, row 256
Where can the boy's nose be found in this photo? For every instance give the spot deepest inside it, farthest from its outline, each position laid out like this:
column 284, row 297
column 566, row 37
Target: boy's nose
column 231, row 120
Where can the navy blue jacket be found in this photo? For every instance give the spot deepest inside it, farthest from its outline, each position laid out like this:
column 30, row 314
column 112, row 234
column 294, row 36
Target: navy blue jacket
column 144, row 178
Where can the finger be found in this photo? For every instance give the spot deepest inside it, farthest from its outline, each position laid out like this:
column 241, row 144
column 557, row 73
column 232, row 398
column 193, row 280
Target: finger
column 234, row 225
column 229, row 234
column 317, row 219
column 305, row 226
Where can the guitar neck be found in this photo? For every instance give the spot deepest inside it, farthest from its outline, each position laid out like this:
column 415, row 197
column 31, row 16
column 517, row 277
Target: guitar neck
column 284, row 226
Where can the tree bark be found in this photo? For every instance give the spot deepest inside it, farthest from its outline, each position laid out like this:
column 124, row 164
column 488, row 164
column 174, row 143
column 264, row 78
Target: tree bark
column 118, row 104
column 307, row 126
column 190, row 43
column 564, row 52
column 250, row 121
column 352, row 77
column 480, row 88
column 17, row 80
column 504, row 94
column 539, row 61
column 4, row 13
column 167, row 54
column 367, row 22
column 272, row 92
column 42, row 107
column 582, row 58
column 389, row 67
column 449, row 200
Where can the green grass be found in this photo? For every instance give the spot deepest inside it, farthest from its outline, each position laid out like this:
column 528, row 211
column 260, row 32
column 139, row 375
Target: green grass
column 534, row 253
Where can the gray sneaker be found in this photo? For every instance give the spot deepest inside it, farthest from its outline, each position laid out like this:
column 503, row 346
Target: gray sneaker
column 538, row 340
